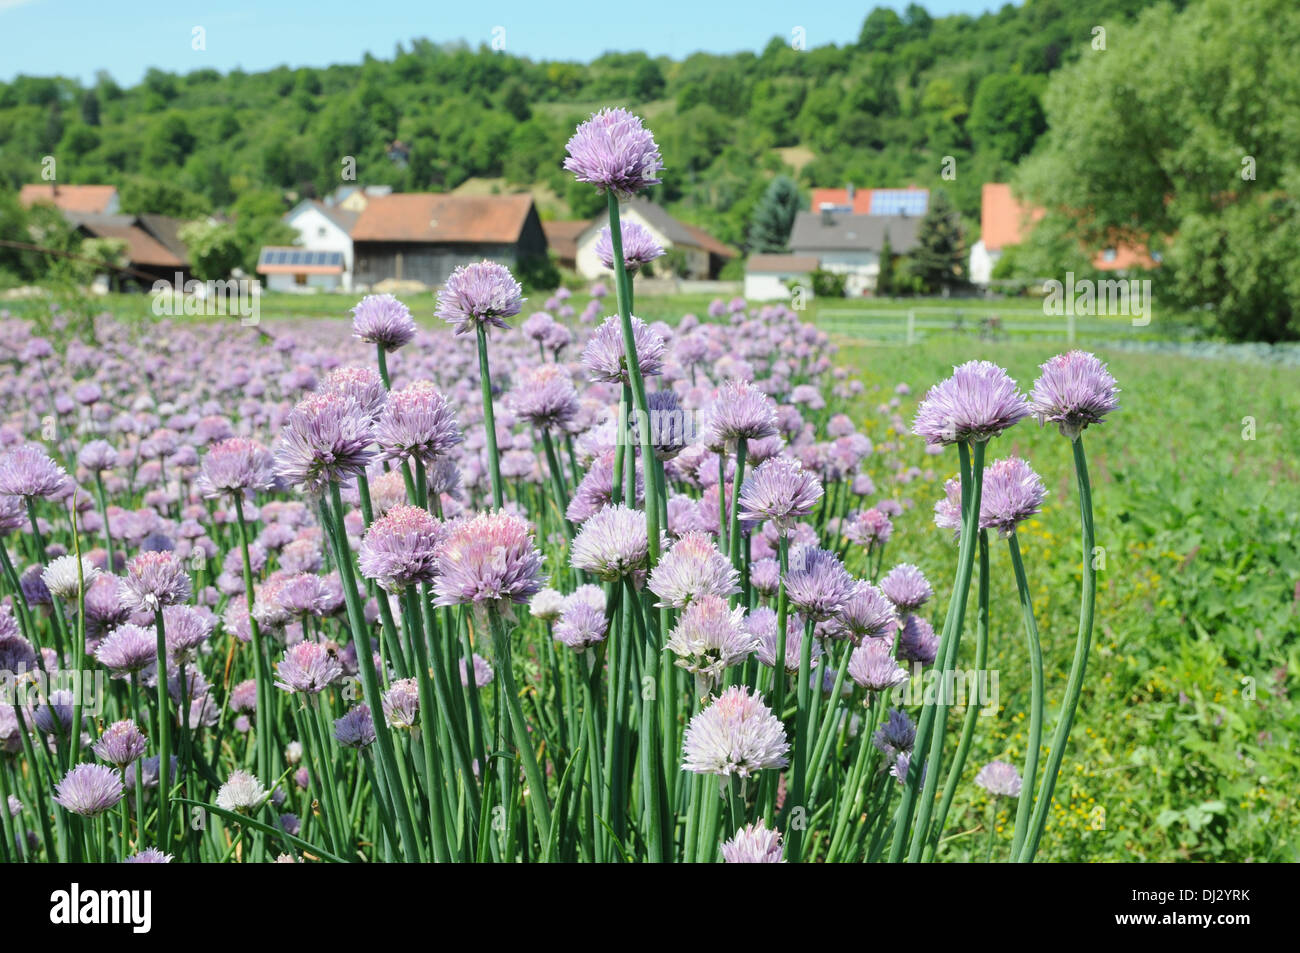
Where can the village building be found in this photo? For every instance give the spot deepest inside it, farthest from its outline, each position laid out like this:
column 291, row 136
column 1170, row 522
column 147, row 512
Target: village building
column 850, row 244
column 768, row 277
column 701, row 255
column 421, row 237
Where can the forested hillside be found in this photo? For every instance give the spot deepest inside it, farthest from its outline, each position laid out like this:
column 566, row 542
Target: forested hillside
column 879, row 108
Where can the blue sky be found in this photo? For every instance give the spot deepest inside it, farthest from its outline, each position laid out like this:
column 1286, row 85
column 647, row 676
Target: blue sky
column 79, row 37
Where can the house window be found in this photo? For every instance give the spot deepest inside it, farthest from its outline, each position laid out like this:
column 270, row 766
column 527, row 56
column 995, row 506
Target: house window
column 300, row 279
column 1108, row 255
column 320, row 232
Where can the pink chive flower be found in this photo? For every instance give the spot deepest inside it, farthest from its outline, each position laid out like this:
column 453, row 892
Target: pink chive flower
column 1073, row 391
column 383, row 320
column 754, row 844
column 481, row 293
column 614, row 152
column 978, row 402
column 639, row 246
column 736, row 734
column 488, row 558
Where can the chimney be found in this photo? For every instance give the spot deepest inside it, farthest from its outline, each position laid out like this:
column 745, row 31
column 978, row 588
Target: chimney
column 850, row 190
column 828, row 216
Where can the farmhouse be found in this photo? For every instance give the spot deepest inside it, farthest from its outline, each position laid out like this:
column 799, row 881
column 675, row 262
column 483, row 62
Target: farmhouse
column 1005, row 222
column 702, row 255
column 767, row 277
column 320, row 228
column 421, row 237
column 850, row 244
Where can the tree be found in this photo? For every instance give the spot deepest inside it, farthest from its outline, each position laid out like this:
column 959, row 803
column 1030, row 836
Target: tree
column 882, row 30
column 774, row 217
column 939, row 258
column 885, row 277
column 1173, row 133
column 647, row 81
column 214, row 249
column 1006, row 117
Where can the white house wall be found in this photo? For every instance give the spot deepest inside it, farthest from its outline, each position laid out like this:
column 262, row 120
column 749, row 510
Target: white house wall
column 318, row 233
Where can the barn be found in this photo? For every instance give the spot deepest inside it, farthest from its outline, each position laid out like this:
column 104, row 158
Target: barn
column 421, row 237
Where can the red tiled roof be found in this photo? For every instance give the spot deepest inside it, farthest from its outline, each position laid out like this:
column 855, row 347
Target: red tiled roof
column 562, row 236
column 1004, row 221
column 839, row 198
column 710, row 244
column 425, row 217
column 141, row 247
column 92, row 199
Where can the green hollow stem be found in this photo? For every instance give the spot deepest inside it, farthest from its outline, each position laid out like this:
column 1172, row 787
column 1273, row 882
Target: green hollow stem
column 369, row 677
column 778, row 669
column 951, row 634
column 742, row 445
column 489, row 418
column 971, row 717
column 1078, row 667
column 537, row 799
column 164, row 739
column 1030, row 773
column 265, row 728
column 636, row 381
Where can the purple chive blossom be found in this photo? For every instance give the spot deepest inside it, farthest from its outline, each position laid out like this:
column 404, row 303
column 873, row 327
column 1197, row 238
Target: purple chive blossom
column 873, row 667
column 999, row 779
column 416, row 422
column 481, row 293
column 121, row 743
column 671, row 427
column 582, row 619
column 488, row 558
column 483, row 673
column 947, row 511
column 356, row 729
column 383, row 320
column 154, row 580
column 710, row 636
column 865, row 613
column 546, row 605
column 691, row 569
column 612, row 544
column 242, row 793
column 28, row 472
column 762, row 624
column 606, row 360
column 185, row 629
column 1013, row 492
column 897, row 735
column 906, row 587
column 362, row 384
column 737, row 734
column 89, row 790
column 327, row 439
column 976, row 403
column 538, row 326
column 308, row 667
column 400, row 547
column 639, row 246
column 1073, row 391
column 545, row 397
column 614, row 151
column 740, row 410
column 917, row 641
column 127, row 649
column 780, row 490
column 97, row 456
column 871, row 527
column 234, row 466
column 754, row 844
column 402, row 703
column 243, row 697
column 150, row 855
column 817, row 583
column 765, row 576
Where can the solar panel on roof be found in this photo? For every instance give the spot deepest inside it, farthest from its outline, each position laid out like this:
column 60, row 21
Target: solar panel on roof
column 899, row 202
